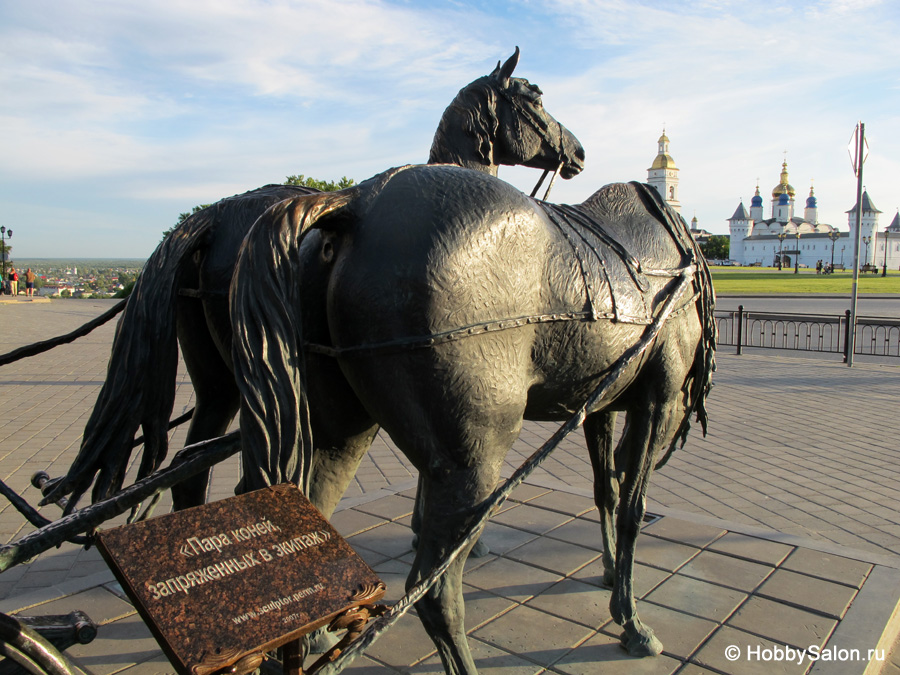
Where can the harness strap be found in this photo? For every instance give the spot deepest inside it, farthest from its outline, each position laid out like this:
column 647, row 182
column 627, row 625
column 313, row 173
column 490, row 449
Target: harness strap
column 404, row 344
column 436, row 339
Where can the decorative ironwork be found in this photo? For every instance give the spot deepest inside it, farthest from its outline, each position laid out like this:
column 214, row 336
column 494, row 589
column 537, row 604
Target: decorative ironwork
column 875, row 336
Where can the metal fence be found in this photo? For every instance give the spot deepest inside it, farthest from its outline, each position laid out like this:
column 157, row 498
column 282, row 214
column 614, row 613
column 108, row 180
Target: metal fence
column 876, row 336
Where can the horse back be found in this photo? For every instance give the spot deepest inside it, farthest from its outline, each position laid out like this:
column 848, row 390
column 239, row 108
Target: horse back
column 437, row 249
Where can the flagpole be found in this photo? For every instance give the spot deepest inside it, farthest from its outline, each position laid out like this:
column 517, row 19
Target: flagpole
column 854, row 294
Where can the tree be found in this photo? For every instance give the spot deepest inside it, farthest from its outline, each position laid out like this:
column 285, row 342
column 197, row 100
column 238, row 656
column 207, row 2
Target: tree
column 183, row 217
column 125, row 292
column 716, row 247
column 324, row 186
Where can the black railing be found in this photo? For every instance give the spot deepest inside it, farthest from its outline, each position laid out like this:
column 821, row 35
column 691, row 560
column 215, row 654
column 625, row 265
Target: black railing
column 875, row 336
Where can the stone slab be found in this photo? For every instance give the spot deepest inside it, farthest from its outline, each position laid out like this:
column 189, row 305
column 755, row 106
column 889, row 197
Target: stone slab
column 511, row 579
column 729, row 651
column 531, row 518
column 828, row 566
column 684, row 531
column 724, row 570
column 805, row 592
column 553, row 555
column 534, row 635
column 702, row 599
column 754, row 549
column 782, row 623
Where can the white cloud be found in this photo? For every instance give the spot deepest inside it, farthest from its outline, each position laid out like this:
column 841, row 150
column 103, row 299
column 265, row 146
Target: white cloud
column 181, row 103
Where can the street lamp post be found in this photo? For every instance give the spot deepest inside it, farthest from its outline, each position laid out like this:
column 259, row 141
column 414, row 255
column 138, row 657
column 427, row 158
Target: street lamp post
column 4, row 235
column 797, row 254
column 781, row 237
column 866, row 241
column 834, row 236
column 887, row 234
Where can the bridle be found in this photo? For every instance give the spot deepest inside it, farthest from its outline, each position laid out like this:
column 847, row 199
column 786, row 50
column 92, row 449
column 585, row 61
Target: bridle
column 543, row 132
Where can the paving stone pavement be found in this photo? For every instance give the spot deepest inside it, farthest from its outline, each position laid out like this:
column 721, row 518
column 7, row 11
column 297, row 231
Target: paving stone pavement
column 800, row 454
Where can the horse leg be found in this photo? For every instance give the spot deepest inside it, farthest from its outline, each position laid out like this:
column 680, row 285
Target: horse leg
column 342, row 429
column 654, row 429
column 217, row 396
column 415, row 522
column 446, row 514
column 334, row 466
column 479, row 550
column 598, row 433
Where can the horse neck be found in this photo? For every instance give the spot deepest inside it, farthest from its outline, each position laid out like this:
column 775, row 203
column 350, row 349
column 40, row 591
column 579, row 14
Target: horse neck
column 463, row 154
column 465, row 133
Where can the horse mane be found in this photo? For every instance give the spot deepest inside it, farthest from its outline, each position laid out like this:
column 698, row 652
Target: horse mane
column 267, row 346
column 474, row 111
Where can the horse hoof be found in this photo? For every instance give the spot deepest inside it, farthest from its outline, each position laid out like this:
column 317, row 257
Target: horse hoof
column 608, row 580
column 479, row 550
column 642, row 645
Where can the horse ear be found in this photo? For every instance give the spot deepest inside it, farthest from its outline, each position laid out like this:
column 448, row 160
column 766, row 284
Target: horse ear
column 506, row 71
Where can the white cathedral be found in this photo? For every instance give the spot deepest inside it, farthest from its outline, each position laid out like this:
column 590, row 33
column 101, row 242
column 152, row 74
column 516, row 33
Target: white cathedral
column 758, row 240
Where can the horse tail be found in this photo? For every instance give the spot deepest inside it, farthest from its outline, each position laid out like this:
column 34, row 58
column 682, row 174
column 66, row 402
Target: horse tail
column 267, row 345
column 139, row 390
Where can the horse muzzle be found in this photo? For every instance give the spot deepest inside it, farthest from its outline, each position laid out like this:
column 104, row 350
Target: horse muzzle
column 572, row 155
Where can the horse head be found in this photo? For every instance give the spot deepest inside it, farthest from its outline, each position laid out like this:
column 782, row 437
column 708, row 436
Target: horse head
column 500, row 119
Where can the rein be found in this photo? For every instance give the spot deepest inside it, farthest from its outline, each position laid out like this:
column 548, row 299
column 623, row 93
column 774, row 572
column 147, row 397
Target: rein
column 552, row 181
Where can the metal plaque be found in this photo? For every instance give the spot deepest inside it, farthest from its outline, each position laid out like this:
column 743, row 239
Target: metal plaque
column 228, row 581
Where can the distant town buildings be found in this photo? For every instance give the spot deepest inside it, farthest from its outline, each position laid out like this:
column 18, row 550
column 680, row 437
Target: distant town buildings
column 56, row 278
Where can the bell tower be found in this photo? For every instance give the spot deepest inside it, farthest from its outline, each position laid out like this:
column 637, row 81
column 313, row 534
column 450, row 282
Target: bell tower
column 663, row 174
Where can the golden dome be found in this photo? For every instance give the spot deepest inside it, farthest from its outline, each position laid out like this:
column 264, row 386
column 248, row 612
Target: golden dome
column 663, row 161
column 783, row 186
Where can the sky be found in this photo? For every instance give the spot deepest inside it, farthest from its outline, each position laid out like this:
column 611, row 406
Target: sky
column 116, row 116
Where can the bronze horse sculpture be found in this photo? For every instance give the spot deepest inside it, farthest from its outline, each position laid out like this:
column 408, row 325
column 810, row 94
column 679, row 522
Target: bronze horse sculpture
column 438, row 303
column 183, row 292
column 450, row 320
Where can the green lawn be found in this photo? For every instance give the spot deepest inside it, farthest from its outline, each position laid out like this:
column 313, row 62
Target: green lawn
column 758, row 280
